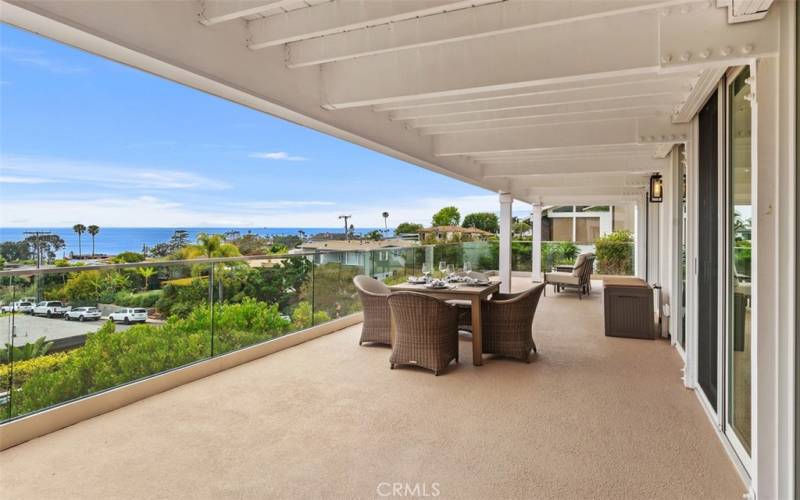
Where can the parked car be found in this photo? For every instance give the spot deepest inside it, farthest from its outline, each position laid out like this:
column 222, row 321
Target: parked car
column 83, row 314
column 49, row 308
column 129, row 315
column 20, row 306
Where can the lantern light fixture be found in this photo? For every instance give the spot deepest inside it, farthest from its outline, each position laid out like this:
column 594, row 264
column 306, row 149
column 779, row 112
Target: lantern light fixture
column 656, row 189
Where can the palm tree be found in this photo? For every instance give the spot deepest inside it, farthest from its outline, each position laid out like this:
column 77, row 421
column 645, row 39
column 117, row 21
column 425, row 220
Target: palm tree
column 80, row 229
column 385, row 220
column 146, row 273
column 212, row 246
column 93, row 230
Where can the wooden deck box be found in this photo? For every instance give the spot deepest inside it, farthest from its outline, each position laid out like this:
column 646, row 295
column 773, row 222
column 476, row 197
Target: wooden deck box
column 628, row 308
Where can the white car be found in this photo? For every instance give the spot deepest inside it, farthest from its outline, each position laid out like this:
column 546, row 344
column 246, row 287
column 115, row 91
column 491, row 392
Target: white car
column 83, row 314
column 129, row 315
column 20, row 306
column 49, row 308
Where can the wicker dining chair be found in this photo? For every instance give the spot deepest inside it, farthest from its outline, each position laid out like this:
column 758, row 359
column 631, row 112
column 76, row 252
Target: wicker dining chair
column 426, row 331
column 507, row 323
column 377, row 326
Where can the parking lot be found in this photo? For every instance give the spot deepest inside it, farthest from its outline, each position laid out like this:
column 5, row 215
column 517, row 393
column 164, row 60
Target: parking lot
column 29, row 328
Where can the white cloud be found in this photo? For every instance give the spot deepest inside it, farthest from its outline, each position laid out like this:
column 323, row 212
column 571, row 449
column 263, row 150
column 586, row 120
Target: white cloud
column 279, row 204
column 278, row 155
column 10, row 179
column 150, row 211
column 38, row 59
column 107, row 175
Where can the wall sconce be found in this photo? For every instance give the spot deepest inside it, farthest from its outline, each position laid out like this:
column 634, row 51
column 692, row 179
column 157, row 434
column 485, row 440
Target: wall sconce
column 656, row 189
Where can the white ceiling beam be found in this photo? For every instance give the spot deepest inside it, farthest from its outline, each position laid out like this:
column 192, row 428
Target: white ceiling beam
column 582, row 116
column 619, row 104
column 670, row 89
column 683, row 38
column 578, row 191
column 599, row 83
column 611, row 132
column 335, row 17
column 457, row 26
column 560, row 167
column 581, row 181
column 568, row 152
column 519, row 59
column 560, row 199
column 699, row 35
column 705, row 84
column 218, row 11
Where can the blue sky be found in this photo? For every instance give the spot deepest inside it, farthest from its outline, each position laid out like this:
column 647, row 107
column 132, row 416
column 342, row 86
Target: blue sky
column 87, row 140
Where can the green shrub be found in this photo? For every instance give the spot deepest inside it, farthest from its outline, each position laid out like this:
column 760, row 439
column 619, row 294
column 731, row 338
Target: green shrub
column 301, row 316
column 128, row 257
column 26, row 351
column 142, row 299
column 111, row 358
column 23, row 370
column 555, row 253
column 614, row 253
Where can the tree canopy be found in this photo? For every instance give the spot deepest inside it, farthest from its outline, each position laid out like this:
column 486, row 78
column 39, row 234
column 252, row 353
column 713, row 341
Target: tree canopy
column 407, row 228
column 486, row 221
column 448, row 216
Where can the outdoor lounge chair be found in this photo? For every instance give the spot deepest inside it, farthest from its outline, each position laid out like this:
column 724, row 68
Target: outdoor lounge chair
column 426, row 331
column 579, row 278
column 507, row 320
column 377, row 318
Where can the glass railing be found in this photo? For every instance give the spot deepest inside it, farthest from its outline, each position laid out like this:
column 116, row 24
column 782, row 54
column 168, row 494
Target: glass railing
column 71, row 332
column 97, row 327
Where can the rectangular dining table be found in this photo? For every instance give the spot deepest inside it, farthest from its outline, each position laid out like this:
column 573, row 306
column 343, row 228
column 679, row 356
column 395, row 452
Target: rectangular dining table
column 458, row 291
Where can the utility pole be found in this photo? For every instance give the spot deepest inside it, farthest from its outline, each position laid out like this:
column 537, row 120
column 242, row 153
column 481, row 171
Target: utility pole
column 346, row 232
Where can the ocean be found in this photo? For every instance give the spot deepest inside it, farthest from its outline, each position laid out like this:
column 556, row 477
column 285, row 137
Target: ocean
column 114, row 240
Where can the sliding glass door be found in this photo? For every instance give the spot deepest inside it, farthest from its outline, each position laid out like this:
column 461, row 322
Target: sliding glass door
column 739, row 249
column 708, row 250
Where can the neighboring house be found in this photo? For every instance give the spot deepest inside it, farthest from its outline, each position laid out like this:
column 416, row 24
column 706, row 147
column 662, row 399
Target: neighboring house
column 582, row 225
column 448, row 233
column 377, row 258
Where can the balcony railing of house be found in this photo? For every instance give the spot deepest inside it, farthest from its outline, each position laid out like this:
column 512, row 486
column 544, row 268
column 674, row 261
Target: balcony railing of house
column 158, row 316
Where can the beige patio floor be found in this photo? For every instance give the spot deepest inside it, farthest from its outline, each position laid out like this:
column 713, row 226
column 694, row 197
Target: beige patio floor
column 590, row 417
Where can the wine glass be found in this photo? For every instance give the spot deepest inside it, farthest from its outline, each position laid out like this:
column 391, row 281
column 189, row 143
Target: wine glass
column 467, row 266
column 442, row 266
column 426, row 269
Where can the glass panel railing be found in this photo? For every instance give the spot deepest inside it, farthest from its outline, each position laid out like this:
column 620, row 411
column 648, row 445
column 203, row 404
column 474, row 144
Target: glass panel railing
column 333, row 294
column 159, row 315
column 100, row 327
column 260, row 300
column 616, row 258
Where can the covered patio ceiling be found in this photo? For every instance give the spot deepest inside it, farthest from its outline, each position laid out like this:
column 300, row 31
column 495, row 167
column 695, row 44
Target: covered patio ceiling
column 551, row 101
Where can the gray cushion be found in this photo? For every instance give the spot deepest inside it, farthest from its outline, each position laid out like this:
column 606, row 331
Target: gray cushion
column 564, row 278
column 578, row 269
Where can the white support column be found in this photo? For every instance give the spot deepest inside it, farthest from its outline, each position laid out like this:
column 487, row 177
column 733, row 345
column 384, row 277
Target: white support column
column 640, row 238
column 506, row 200
column 536, row 243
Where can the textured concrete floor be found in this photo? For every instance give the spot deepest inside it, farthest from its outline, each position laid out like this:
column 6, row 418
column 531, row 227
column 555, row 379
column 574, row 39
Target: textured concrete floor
column 590, row 417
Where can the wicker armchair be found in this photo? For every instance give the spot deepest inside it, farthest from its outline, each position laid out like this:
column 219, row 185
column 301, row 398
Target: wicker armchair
column 507, row 320
column 377, row 318
column 579, row 277
column 426, row 331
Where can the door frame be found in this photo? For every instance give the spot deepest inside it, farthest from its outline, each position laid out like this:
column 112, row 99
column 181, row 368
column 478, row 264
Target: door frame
column 727, row 305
